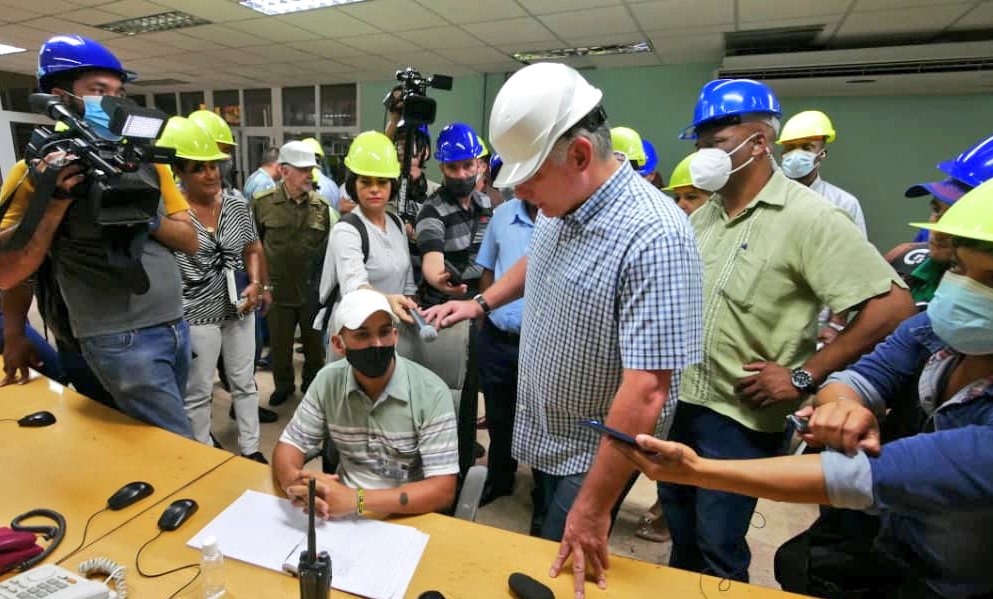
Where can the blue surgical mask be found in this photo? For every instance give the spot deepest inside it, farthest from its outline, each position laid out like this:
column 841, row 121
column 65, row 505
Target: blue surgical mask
column 962, row 314
column 797, row 164
column 97, row 117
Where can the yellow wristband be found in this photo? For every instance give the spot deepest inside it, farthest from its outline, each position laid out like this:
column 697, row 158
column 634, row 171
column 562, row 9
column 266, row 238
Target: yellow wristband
column 359, row 501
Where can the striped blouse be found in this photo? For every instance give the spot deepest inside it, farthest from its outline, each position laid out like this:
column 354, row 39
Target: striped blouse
column 205, row 290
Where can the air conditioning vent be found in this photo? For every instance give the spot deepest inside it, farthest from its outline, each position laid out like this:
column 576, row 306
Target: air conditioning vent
column 771, row 41
column 861, row 70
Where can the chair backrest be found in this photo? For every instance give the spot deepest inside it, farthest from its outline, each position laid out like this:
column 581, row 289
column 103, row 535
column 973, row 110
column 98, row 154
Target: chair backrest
column 445, row 356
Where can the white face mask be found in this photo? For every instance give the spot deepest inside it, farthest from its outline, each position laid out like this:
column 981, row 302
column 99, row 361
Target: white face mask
column 710, row 168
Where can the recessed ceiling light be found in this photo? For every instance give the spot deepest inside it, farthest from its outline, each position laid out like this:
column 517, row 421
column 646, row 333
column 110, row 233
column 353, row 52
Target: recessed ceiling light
column 285, row 7
column 606, row 50
column 164, row 21
column 5, row 49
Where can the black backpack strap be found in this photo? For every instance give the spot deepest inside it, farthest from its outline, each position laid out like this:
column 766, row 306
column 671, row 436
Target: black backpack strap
column 354, row 220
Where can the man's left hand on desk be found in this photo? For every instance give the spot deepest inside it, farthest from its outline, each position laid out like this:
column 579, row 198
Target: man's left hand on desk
column 585, row 539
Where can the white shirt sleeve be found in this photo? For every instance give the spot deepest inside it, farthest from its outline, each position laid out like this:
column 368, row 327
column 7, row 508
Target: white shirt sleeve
column 346, row 248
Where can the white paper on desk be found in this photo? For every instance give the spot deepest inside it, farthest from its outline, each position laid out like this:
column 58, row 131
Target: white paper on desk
column 268, row 531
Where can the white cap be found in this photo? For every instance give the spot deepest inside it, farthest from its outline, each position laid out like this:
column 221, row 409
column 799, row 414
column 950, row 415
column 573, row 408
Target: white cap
column 209, row 546
column 531, row 111
column 296, row 153
column 357, row 306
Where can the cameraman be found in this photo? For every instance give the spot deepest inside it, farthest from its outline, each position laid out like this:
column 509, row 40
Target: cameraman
column 136, row 343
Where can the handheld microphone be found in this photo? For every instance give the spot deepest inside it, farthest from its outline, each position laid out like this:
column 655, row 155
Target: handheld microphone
column 314, row 569
column 427, row 332
column 523, row 586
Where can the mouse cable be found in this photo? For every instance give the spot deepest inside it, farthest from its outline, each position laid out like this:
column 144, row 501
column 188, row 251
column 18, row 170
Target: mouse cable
column 9, row 420
column 83, row 540
column 137, row 561
column 183, row 588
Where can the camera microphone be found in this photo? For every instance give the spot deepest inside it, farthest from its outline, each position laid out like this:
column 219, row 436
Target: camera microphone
column 523, row 586
column 426, row 331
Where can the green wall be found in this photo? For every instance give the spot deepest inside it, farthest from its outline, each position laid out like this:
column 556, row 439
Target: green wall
column 885, row 143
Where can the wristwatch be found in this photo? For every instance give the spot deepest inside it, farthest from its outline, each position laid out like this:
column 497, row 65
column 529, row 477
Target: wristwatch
column 836, row 326
column 478, row 298
column 263, row 286
column 802, row 380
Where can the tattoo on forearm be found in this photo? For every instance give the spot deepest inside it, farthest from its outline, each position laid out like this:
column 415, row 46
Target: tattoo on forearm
column 403, row 498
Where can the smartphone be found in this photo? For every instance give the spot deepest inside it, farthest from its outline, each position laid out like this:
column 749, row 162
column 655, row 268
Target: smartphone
column 606, row 430
column 455, row 277
column 800, row 425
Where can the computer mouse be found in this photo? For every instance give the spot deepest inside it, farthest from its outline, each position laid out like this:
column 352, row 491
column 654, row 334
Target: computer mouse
column 128, row 494
column 37, row 419
column 179, row 511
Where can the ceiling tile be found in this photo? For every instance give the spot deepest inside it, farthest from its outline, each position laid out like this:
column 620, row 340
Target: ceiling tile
column 223, row 35
column 378, row 44
column 268, row 29
column 133, row 8
column 43, row 7
column 903, row 20
column 439, row 37
column 762, row 10
column 393, row 15
column 510, row 31
column 278, row 53
column 328, row 22
column 503, row 66
column 90, row 16
column 56, row 25
column 128, row 48
column 476, row 55
column 705, row 46
column 13, row 15
column 864, row 5
column 460, row 11
column 541, row 7
column 324, row 66
column 674, row 14
column 181, row 40
column 326, row 48
column 979, row 17
column 828, row 21
column 625, row 60
column 216, row 11
column 577, row 23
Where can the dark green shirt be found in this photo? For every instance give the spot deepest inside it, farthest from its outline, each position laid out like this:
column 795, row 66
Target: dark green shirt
column 295, row 237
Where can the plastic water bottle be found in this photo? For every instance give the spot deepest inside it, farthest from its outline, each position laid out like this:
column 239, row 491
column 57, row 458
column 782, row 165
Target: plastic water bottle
column 212, row 569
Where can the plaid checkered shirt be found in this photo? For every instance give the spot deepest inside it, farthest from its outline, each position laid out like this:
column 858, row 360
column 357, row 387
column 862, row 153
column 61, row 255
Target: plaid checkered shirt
column 615, row 285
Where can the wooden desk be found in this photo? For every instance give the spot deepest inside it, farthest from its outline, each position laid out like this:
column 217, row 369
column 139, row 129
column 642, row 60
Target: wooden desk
column 462, row 560
column 74, row 465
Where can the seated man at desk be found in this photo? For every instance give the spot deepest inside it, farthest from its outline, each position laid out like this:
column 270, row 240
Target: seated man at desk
column 392, row 421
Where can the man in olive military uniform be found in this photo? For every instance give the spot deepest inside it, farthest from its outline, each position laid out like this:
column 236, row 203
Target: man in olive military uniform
column 293, row 222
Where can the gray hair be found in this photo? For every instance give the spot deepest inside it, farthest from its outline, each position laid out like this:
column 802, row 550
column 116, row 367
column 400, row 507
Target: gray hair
column 769, row 120
column 603, row 147
column 270, row 156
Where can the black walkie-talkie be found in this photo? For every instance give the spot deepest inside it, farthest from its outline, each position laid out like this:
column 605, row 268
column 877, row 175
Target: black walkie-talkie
column 314, row 569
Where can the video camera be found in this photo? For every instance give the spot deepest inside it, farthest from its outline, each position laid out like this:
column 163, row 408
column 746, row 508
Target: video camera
column 418, row 109
column 119, row 191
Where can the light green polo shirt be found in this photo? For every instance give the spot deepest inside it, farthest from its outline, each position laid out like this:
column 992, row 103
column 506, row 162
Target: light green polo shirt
column 767, row 273
column 405, row 435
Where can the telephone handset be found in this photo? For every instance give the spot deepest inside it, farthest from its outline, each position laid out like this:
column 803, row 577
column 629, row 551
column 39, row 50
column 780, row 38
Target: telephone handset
column 49, row 581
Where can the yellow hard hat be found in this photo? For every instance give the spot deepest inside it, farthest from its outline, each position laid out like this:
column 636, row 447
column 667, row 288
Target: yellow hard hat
column 971, row 216
column 373, row 154
column 627, row 140
column 680, row 175
column 215, row 126
column 190, row 141
column 484, row 151
column 809, row 123
column 314, row 146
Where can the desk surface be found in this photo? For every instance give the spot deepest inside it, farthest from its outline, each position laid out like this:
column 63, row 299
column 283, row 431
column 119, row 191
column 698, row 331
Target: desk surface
column 74, row 465
column 462, row 559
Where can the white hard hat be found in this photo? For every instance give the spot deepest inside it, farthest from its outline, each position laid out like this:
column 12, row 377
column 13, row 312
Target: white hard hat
column 296, row 153
column 532, row 110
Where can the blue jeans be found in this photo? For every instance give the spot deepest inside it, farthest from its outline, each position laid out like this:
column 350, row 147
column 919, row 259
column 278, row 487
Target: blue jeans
column 553, row 497
column 50, row 365
column 145, row 371
column 708, row 527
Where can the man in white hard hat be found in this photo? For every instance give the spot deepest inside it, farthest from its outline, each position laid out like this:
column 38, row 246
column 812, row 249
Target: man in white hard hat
column 293, row 222
column 613, row 308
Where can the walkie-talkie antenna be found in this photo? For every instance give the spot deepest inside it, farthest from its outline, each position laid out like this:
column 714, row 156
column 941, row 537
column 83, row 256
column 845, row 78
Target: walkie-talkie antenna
column 311, row 529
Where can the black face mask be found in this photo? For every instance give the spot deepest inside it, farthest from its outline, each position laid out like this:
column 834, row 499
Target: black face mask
column 461, row 188
column 371, row 361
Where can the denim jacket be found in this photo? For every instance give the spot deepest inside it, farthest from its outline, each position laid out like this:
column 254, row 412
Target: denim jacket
column 934, row 490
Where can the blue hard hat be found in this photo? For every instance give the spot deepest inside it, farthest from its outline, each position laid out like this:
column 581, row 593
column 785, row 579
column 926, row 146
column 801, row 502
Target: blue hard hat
column 65, row 53
column 457, row 141
column 496, row 163
column 651, row 160
column 722, row 98
column 973, row 166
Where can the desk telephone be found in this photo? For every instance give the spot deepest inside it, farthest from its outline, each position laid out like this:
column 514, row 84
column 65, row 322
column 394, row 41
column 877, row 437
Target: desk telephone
column 52, row 582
